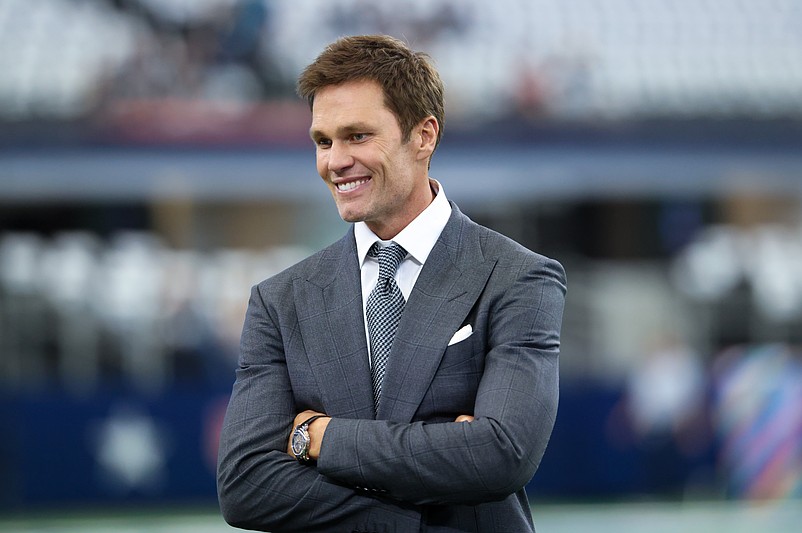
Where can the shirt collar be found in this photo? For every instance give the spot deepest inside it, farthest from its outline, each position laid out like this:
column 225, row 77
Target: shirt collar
column 420, row 235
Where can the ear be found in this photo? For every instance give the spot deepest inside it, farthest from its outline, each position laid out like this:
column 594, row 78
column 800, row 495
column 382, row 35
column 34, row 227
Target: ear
column 427, row 137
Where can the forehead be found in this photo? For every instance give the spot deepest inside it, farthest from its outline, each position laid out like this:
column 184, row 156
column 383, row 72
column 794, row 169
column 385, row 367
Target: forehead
column 336, row 106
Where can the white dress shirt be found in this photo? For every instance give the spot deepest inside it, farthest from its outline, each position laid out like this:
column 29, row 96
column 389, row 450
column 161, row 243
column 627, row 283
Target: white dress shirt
column 418, row 239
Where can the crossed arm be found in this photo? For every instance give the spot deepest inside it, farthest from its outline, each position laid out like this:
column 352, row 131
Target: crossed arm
column 317, row 429
column 407, row 464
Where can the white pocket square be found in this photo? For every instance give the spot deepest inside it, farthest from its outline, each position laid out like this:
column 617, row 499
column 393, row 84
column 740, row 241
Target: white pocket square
column 461, row 334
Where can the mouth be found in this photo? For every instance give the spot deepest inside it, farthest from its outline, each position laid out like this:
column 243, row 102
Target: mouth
column 347, row 186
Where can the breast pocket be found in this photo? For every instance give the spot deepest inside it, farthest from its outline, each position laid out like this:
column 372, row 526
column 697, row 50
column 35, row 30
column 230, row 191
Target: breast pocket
column 453, row 389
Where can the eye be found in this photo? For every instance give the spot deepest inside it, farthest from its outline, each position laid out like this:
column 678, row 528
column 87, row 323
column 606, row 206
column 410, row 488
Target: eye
column 323, row 142
column 358, row 137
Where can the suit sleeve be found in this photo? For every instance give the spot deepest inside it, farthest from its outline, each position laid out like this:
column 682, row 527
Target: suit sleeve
column 259, row 485
column 515, row 408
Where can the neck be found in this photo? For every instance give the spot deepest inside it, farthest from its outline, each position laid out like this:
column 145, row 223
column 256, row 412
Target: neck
column 387, row 229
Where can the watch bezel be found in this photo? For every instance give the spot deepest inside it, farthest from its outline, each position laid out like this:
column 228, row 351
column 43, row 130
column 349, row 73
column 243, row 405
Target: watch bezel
column 300, row 443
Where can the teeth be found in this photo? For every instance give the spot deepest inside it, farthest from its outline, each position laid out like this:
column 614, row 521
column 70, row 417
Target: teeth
column 347, row 186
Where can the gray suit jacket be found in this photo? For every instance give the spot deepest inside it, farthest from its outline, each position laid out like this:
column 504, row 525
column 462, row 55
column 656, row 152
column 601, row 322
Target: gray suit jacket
column 407, row 468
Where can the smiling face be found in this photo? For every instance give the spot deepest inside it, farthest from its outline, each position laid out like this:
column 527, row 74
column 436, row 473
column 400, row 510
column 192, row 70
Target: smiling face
column 374, row 176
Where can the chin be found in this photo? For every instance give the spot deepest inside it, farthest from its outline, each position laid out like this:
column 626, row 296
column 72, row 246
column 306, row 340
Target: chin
column 351, row 217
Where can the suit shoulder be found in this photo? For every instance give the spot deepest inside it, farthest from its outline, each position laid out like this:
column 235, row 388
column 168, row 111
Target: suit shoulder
column 515, row 258
column 302, row 269
column 497, row 245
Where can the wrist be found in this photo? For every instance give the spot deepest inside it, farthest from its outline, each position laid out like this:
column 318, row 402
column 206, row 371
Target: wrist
column 316, row 431
column 300, row 439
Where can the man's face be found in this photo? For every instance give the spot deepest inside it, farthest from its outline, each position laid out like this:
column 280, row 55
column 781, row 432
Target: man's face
column 373, row 176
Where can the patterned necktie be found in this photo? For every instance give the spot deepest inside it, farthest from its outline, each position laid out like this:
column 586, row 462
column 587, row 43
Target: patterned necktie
column 383, row 309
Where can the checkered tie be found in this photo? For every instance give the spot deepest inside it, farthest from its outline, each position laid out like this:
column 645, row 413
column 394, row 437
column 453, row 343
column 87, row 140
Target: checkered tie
column 383, row 309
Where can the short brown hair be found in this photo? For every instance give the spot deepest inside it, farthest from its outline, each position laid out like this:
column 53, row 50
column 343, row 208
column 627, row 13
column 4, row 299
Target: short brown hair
column 412, row 87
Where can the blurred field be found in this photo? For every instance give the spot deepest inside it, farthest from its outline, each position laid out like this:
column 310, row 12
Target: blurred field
column 712, row 517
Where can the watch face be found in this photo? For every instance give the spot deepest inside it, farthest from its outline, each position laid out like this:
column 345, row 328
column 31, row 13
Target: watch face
column 299, row 442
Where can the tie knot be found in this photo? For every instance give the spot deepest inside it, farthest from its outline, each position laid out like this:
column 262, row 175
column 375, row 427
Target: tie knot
column 389, row 258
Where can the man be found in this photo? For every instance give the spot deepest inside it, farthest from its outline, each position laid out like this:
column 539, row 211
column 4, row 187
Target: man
column 376, row 397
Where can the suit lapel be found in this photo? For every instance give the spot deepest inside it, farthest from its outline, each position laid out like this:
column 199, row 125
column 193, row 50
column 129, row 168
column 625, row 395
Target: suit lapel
column 334, row 334
column 448, row 286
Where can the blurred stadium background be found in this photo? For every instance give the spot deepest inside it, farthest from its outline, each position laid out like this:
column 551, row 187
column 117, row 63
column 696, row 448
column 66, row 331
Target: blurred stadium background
column 154, row 164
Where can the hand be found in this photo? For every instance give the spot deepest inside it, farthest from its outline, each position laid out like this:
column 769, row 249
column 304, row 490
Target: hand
column 464, row 418
column 316, row 430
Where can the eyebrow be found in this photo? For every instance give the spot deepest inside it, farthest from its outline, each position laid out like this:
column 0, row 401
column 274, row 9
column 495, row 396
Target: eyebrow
column 342, row 131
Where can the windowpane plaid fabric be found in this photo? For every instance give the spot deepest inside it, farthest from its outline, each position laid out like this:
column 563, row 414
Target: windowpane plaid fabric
column 383, row 309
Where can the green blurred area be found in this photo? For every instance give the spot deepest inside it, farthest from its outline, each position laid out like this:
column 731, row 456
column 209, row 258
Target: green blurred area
column 653, row 517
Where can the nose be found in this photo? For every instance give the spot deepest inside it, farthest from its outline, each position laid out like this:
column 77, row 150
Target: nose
column 339, row 157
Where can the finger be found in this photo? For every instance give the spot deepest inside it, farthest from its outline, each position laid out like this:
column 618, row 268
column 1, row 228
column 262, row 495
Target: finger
column 464, row 418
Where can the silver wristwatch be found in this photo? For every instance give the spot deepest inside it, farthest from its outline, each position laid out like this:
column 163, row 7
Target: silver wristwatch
column 300, row 439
